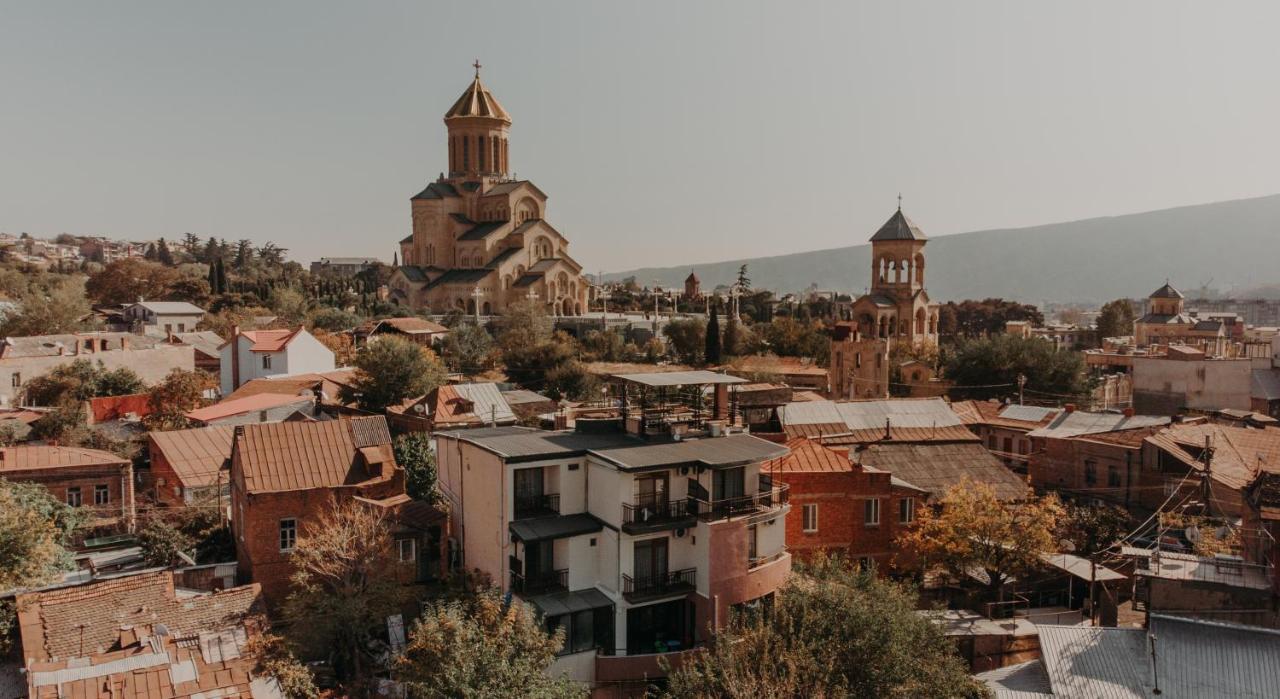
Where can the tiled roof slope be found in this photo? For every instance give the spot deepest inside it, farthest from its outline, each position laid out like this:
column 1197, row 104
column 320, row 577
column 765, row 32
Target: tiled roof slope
column 938, row 467
column 42, row 457
column 274, row 457
column 809, row 456
column 77, row 621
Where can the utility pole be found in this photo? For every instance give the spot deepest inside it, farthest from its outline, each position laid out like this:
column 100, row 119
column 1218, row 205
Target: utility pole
column 1022, row 383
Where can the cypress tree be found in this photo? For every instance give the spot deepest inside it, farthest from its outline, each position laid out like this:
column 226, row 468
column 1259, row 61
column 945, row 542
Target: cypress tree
column 712, row 353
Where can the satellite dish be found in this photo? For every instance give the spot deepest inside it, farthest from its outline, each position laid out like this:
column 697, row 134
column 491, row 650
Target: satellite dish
column 1066, row 545
column 1192, row 533
column 419, row 408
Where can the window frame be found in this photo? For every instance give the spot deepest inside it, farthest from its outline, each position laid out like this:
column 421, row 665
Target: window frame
column 808, row 512
column 413, row 550
column 906, row 510
column 104, row 491
column 79, row 497
column 292, row 530
column 266, row 361
column 871, row 512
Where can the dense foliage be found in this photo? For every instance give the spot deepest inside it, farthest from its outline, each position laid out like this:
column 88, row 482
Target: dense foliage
column 1116, row 319
column 989, row 368
column 414, row 454
column 391, row 369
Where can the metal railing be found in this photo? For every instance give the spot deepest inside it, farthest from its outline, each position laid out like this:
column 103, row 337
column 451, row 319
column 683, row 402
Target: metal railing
column 667, row 583
column 757, row 561
column 775, row 496
column 540, row 583
column 527, row 506
column 650, row 509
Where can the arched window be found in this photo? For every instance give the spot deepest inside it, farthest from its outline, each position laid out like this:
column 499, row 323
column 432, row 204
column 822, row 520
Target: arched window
column 497, row 156
column 480, row 152
column 920, row 320
column 466, row 154
column 919, row 266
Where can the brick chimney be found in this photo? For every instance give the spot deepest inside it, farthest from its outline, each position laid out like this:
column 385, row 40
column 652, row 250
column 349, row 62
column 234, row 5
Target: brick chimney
column 1129, row 412
column 1070, row 407
column 235, row 357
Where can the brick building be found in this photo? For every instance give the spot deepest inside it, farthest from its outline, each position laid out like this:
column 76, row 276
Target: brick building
column 285, row 475
column 841, row 506
column 1097, row 456
column 1003, row 428
column 97, row 481
column 451, row 407
column 189, row 465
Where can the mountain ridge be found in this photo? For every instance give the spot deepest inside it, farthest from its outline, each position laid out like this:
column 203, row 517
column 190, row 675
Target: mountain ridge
column 1233, row 242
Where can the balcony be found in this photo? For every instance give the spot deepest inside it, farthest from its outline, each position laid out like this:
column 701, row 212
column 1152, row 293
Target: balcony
column 653, row 513
column 540, row 583
column 767, row 498
column 529, row 506
column 670, row 583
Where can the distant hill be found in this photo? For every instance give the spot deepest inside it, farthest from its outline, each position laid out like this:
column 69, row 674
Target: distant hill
column 1234, row 243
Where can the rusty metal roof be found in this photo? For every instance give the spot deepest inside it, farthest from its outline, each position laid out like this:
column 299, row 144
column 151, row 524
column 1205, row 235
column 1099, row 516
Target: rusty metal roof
column 938, row 467
column 33, row 458
column 285, row 456
column 197, row 455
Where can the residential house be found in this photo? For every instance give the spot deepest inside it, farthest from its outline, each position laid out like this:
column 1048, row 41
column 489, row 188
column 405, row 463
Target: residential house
column 253, row 354
column 1222, row 587
column 842, row 506
column 1003, row 428
column 528, row 404
column 206, row 344
column 285, row 475
column 262, row 407
column 453, row 406
column 326, row 386
column 792, row 371
column 189, row 465
column 1097, row 457
column 636, row 533
column 417, row 330
column 343, row 266
column 1185, row 378
column 24, row 358
column 162, row 318
column 139, row 636
column 98, row 481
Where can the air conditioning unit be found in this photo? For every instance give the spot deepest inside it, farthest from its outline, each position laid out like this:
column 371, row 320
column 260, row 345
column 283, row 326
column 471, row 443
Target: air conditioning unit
column 680, row 533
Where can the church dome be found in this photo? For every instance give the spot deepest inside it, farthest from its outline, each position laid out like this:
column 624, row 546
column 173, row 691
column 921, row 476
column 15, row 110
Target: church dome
column 1166, row 292
column 898, row 227
column 477, row 101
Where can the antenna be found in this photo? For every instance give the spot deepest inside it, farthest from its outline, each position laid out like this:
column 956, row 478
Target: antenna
column 1155, row 666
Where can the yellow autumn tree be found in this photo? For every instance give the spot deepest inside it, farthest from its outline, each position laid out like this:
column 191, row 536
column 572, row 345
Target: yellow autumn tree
column 969, row 529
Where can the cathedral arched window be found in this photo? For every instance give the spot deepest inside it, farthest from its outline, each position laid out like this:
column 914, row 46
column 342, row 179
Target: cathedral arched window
column 919, row 267
column 480, row 152
column 466, row 154
column 497, row 159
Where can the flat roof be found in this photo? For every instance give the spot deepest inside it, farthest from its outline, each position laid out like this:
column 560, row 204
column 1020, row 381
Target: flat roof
column 678, row 378
column 556, row 527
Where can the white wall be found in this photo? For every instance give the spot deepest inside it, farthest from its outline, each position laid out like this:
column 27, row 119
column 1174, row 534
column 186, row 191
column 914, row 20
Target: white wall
column 303, row 355
column 151, row 365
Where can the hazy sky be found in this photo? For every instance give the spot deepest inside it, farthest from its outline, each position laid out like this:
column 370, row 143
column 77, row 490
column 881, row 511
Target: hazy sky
column 664, row 132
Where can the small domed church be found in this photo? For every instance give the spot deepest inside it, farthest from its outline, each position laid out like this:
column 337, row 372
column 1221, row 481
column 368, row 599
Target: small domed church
column 480, row 238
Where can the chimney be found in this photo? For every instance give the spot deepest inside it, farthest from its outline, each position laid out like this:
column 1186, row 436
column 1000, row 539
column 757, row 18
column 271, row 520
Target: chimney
column 124, row 342
column 888, row 433
column 1070, row 407
column 1128, row 412
column 235, row 357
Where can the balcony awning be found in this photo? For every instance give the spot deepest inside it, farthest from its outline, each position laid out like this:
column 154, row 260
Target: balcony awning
column 558, row 603
column 559, row 527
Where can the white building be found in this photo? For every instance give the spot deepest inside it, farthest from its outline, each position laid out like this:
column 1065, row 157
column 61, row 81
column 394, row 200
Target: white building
column 255, row 354
column 25, row 358
column 163, row 317
column 633, row 535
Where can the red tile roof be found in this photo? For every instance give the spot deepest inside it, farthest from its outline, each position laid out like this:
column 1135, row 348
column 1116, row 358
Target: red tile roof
column 268, row 340
column 30, row 458
column 85, row 619
column 328, row 382
column 274, row 457
column 197, row 455
column 239, row 406
column 811, row 456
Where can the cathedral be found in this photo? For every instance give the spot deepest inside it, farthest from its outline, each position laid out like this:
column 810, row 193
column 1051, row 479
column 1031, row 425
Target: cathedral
column 896, row 309
column 480, row 238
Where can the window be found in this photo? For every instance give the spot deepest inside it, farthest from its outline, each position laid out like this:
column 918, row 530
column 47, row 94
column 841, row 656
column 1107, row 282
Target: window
column 991, row 442
column 17, row 380
column 906, row 510
column 753, row 545
column 288, row 534
column 101, row 495
column 810, row 518
column 1008, row 445
column 182, row 327
column 266, row 361
column 1090, row 473
column 407, row 550
column 729, row 483
column 1113, row 476
column 871, row 512
column 584, row 630
column 73, row 496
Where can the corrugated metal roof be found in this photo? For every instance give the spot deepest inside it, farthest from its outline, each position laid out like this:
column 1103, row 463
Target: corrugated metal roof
column 1021, row 681
column 871, row 414
column 1239, row 453
column 1027, row 413
column 248, row 404
column 304, row 455
column 679, row 378
column 1192, row 658
column 196, row 455
column 936, row 468
column 25, row 458
column 524, row 443
column 1077, row 423
column 1080, row 567
column 487, row 401
column 809, row 456
column 171, row 307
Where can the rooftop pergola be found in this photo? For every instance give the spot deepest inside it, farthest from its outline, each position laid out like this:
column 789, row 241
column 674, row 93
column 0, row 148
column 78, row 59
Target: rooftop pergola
column 668, row 399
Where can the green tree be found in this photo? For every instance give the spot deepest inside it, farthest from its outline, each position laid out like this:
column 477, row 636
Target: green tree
column 743, row 281
column 790, row 337
column 482, row 647
column 161, row 542
column 604, row 346
column 333, row 319
column 1115, row 319
column 79, row 381
column 530, row 350
column 414, row 454
column 571, row 380
column 971, row 529
column 833, row 631
column 468, row 348
column 1093, row 529
column 687, row 338
column 273, row 657
column 731, row 345
column 345, row 585
column 391, row 369
column 711, row 337
column 972, row 318
column 48, row 309
column 289, row 305
column 163, row 254
column 35, row 531
column 989, row 367
column 127, row 280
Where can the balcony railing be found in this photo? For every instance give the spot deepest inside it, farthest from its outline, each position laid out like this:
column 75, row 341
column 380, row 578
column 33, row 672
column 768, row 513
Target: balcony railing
column 537, row 506
column 669, row 583
column 656, row 510
column 540, row 583
column 757, row 561
column 773, row 496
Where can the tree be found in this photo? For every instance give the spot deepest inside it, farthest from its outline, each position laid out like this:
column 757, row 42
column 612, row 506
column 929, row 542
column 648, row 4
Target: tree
column 1093, row 529
column 414, row 454
column 1116, row 319
column 530, row 350
column 58, row 307
column 973, row 318
column 482, row 647
column 333, row 320
column 970, row 529
column 468, row 348
column 391, row 369
column 989, row 368
column 789, row 337
column 244, row 254
column 79, row 381
column 271, row 254
column 289, row 305
column 35, row 532
column 570, row 380
column 344, row 586
column 833, row 631
column 273, row 657
column 171, row 399
column 687, row 338
column 161, row 542
column 732, row 343
column 190, row 289
column 163, row 254
column 604, row 346
column 711, row 337
column 127, row 280
column 743, row 281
